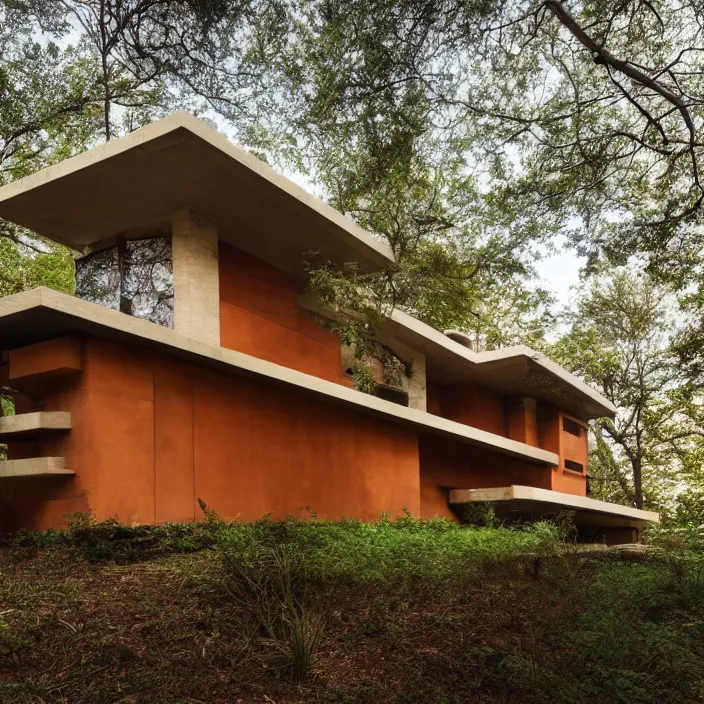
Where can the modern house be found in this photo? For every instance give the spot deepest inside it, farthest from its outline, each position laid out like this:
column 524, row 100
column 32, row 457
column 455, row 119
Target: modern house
column 217, row 381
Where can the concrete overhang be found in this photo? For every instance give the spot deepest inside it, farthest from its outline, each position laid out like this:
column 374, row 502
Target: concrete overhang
column 26, row 425
column 514, row 371
column 42, row 314
column 530, row 503
column 129, row 184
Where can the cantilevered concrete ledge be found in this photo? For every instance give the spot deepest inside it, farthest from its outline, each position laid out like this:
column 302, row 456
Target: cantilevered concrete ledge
column 180, row 162
column 514, row 371
column 35, row 467
column 41, row 314
column 518, row 371
column 30, row 424
column 528, row 502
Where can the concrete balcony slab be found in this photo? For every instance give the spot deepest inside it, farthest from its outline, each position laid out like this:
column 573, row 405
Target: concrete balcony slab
column 26, row 425
column 34, row 467
column 531, row 503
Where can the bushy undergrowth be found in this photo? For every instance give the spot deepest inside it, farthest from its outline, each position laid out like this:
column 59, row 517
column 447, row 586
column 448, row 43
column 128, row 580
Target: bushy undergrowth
column 345, row 612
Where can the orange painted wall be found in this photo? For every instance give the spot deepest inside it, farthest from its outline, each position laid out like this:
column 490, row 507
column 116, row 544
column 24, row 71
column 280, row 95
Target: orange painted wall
column 151, row 435
column 475, row 405
column 447, row 464
column 522, row 420
column 260, row 316
column 459, row 466
column 433, row 399
column 554, row 438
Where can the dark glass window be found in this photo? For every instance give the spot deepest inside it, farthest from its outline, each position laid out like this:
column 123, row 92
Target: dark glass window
column 391, row 393
column 574, row 466
column 569, row 426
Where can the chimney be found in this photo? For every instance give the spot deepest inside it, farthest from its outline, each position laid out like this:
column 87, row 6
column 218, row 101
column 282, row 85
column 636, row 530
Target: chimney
column 459, row 337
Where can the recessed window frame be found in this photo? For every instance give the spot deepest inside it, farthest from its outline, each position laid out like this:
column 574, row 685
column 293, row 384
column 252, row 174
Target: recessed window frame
column 572, row 427
column 572, row 466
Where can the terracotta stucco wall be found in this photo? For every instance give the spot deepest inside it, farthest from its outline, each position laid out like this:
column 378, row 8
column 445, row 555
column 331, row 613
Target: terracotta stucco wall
column 555, row 438
column 475, row 405
column 434, row 399
column 260, row 316
column 459, row 467
column 522, row 420
column 151, row 435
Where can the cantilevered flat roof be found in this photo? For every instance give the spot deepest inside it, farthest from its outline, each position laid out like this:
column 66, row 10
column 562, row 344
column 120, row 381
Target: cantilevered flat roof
column 529, row 502
column 138, row 180
column 41, row 314
column 514, row 371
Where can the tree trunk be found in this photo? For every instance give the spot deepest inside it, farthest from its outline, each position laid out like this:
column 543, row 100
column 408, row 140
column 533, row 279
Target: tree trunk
column 638, row 483
column 104, row 51
column 125, row 303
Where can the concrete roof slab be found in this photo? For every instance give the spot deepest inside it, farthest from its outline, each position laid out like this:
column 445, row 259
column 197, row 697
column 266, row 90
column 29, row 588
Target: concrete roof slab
column 179, row 162
column 515, row 371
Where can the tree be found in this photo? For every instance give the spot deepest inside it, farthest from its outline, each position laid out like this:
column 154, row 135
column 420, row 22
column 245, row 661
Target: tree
column 622, row 340
column 589, row 95
column 47, row 98
column 380, row 166
column 129, row 63
column 577, row 117
column 448, row 261
column 150, row 54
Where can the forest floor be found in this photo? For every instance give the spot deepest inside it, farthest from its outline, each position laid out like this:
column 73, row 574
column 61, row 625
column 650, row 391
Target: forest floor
column 345, row 613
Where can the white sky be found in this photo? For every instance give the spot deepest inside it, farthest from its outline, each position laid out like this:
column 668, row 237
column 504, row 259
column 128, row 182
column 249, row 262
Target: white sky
column 560, row 271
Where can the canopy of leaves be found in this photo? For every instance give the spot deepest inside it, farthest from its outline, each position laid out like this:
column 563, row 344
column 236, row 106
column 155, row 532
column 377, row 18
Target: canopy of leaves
column 622, row 340
column 564, row 116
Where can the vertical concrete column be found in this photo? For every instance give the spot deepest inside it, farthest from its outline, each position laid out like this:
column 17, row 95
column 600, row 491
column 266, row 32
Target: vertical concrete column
column 523, row 420
column 417, row 383
column 196, row 280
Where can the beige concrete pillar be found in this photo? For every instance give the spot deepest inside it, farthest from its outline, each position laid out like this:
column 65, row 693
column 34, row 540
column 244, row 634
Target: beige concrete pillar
column 417, row 384
column 196, row 278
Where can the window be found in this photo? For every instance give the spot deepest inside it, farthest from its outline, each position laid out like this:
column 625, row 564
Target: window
column 391, row 393
column 569, row 426
column 134, row 277
column 574, row 466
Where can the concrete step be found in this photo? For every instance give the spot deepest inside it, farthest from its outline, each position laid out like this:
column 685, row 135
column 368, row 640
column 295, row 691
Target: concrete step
column 34, row 467
column 27, row 425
